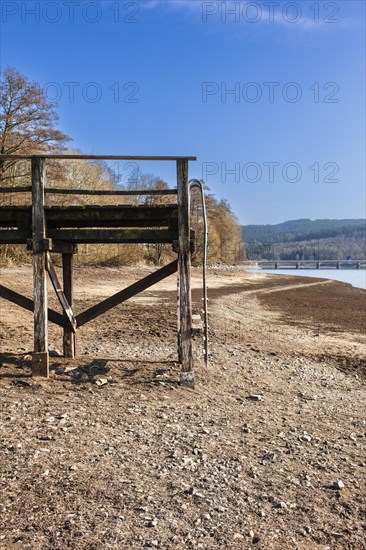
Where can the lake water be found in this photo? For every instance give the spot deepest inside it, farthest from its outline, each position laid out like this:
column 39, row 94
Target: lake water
column 355, row 277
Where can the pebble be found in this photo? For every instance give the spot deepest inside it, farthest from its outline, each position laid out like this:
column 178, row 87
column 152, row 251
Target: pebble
column 238, row 536
column 152, row 523
column 255, row 397
column 306, row 437
column 206, row 517
column 338, row 484
column 101, row 381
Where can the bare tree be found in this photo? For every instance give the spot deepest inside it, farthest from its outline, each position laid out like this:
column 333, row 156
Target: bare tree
column 27, row 121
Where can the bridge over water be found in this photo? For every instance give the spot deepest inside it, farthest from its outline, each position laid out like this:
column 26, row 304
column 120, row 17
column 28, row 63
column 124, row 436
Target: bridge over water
column 312, row 264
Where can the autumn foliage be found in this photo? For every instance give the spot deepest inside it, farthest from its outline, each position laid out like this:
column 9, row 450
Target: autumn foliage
column 28, row 125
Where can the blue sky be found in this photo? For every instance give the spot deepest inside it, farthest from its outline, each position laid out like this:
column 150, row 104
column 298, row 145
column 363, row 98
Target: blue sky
column 154, row 78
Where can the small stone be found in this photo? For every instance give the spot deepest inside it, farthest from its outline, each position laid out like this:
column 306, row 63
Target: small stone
column 73, row 467
column 255, row 397
column 306, row 437
column 220, row 509
column 152, row 523
column 338, row 484
column 84, row 377
column 74, row 373
column 206, row 517
column 282, row 505
column 238, row 536
column 53, row 351
column 101, row 381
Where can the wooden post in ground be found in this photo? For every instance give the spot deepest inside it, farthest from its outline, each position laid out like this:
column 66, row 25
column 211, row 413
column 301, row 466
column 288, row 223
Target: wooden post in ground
column 184, row 271
column 67, row 270
column 40, row 358
column 178, row 319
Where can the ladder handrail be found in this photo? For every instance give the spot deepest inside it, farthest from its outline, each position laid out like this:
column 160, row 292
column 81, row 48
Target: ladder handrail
column 195, row 183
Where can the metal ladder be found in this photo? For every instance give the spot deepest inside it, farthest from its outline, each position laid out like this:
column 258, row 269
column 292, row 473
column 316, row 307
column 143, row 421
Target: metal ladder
column 195, row 183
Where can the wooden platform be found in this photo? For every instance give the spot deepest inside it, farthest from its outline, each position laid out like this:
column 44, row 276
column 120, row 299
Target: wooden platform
column 48, row 229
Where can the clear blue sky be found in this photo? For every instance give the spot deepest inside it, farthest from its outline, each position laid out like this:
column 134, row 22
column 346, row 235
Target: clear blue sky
column 160, row 72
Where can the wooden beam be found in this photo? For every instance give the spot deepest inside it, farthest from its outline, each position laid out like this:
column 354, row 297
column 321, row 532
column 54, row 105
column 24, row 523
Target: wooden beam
column 16, row 216
column 95, row 157
column 126, row 293
column 53, row 245
column 28, row 304
column 69, row 336
column 114, row 235
column 108, row 192
column 14, row 236
column 184, row 270
column 24, row 189
column 67, row 309
column 111, row 216
column 40, row 360
column 92, row 216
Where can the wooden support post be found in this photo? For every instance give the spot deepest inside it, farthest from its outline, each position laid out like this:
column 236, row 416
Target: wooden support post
column 69, row 336
column 178, row 320
column 40, row 359
column 184, row 270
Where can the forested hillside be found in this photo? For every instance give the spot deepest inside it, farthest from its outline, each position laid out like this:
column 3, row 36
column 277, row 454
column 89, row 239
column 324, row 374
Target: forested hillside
column 306, row 239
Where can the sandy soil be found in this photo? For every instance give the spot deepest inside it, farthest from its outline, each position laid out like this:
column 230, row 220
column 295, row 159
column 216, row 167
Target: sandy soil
column 268, row 451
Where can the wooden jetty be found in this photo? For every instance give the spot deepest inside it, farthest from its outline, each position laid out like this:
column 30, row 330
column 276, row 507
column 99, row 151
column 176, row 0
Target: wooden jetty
column 47, row 229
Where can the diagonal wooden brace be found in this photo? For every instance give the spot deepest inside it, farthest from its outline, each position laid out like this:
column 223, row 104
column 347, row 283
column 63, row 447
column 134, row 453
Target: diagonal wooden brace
column 28, row 304
column 60, row 293
column 126, row 293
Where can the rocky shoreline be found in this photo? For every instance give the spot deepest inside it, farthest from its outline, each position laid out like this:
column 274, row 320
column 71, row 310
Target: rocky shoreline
column 268, row 451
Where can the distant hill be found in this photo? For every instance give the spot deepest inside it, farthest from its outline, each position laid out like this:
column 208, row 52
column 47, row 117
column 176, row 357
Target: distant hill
column 306, row 239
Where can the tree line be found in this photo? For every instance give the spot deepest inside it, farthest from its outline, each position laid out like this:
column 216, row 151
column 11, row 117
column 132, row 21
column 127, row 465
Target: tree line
column 28, row 125
column 306, row 240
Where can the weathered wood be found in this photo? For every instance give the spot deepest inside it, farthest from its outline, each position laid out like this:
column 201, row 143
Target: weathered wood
column 28, row 304
column 178, row 310
column 53, row 245
column 126, row 293
column 14, row 236
column 16, row 216
column 108, row 192
column 95, row 224
column 111, row 216
column 148, row 236
column 23, row 189
column 67, row 309
column 92, row 216
column 184, row 270
column 69, row 336
column 96, row 157
column 40, row 362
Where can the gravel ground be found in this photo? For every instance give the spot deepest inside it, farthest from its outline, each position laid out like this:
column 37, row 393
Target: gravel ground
column 268, row 451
